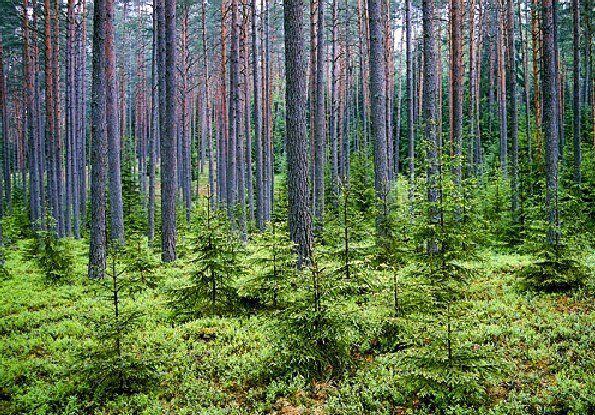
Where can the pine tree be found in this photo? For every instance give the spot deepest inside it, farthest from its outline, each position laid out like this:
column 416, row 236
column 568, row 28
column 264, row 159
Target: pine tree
column 113, row 365
column 211, row 288
column 273, row 264
column 300, row 227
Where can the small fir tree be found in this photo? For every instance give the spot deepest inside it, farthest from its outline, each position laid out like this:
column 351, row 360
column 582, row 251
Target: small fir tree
column 52, row 255
column 443, row 364
column 114, row 365
column 273, row 262
column 211, row 288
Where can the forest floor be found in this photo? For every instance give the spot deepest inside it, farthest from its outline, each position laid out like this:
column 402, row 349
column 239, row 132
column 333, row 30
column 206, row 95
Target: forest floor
column 539, row 351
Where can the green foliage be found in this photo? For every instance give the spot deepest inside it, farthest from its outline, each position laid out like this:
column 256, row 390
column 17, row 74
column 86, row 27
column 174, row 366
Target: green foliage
column 494, row 201
column 52, row 255
column 135, row 216
column 111, row 367
column 16, row 224
column 441, row 367
column 347, row 243
column 272, row 263
column 556, row 268
column 311, row 334
column 361, row 182
column 141, row 266
column 211, row 288
column 4, row 273
column 557, row 265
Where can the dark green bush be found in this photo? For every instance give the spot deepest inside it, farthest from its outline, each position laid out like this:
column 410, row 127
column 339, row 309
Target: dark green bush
column 52, row 255
column 211, row 288
column 114, row 365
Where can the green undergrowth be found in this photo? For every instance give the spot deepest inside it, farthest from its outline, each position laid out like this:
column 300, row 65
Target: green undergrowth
column 529, row 352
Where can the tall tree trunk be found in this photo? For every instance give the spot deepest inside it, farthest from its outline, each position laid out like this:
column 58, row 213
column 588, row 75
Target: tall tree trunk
column 232, row 169
column 502, row 89
column 267, row 124
column 82, row 109
column 513, row 122
column 97, row 238
column 312, row 104
column 429, row 109
column 50, row 128
column 457, row 86
column 206, row 126
column 535, row 47
column 399, row 109
column 154, row 128
column 69, row 120
column 259, row 186
column 58, row 145
column 390, row 90
column 296, row 144
column 113, row 131
column 241, row 123
column 363, row 59
column 409, row 92
column 576, row 93
column 246, row 111
column 474, row 157
column 166, row 13
column 319, row 121
column 7, row 191
column 378, row 111
column 550, row 119
column 185, row 117
column 333, row 113
column 525, row 52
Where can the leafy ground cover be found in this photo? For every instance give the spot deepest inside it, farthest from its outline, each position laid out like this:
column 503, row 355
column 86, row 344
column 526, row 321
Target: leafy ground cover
column 528, row 353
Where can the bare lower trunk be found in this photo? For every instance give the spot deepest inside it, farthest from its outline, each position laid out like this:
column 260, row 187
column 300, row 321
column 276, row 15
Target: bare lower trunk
column 97, row 238
column 576, row 94
column 296, row 145
column 550, row 120
column 378, row 110
column 113, row 131
column 166, row 13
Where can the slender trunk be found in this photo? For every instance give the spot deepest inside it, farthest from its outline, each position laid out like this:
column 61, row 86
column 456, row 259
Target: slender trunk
column 502, row 93
column 319, row 121
column 312, row 104
column 69, row 121
column 457, row 86
column 166, row 13
column 97, row 238
column 58, row 145
column 550, row 120
column 185, row 155
column 113, row 131
column 247, row 115
column 257, row 121
column 378, row 110
column 535, row 46
column 50, row 128
column 333, row 124
column 409, row 92
column 513, row 123
column 222, row 113
column 576, row 93
column 7, row 191
column 524, row 49
column 429, row 109
column 82, row 96
column 296, row 144
column 232, row 143
column 154, row 130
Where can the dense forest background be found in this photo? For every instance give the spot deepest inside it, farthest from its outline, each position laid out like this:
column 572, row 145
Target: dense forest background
column 290, row 207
